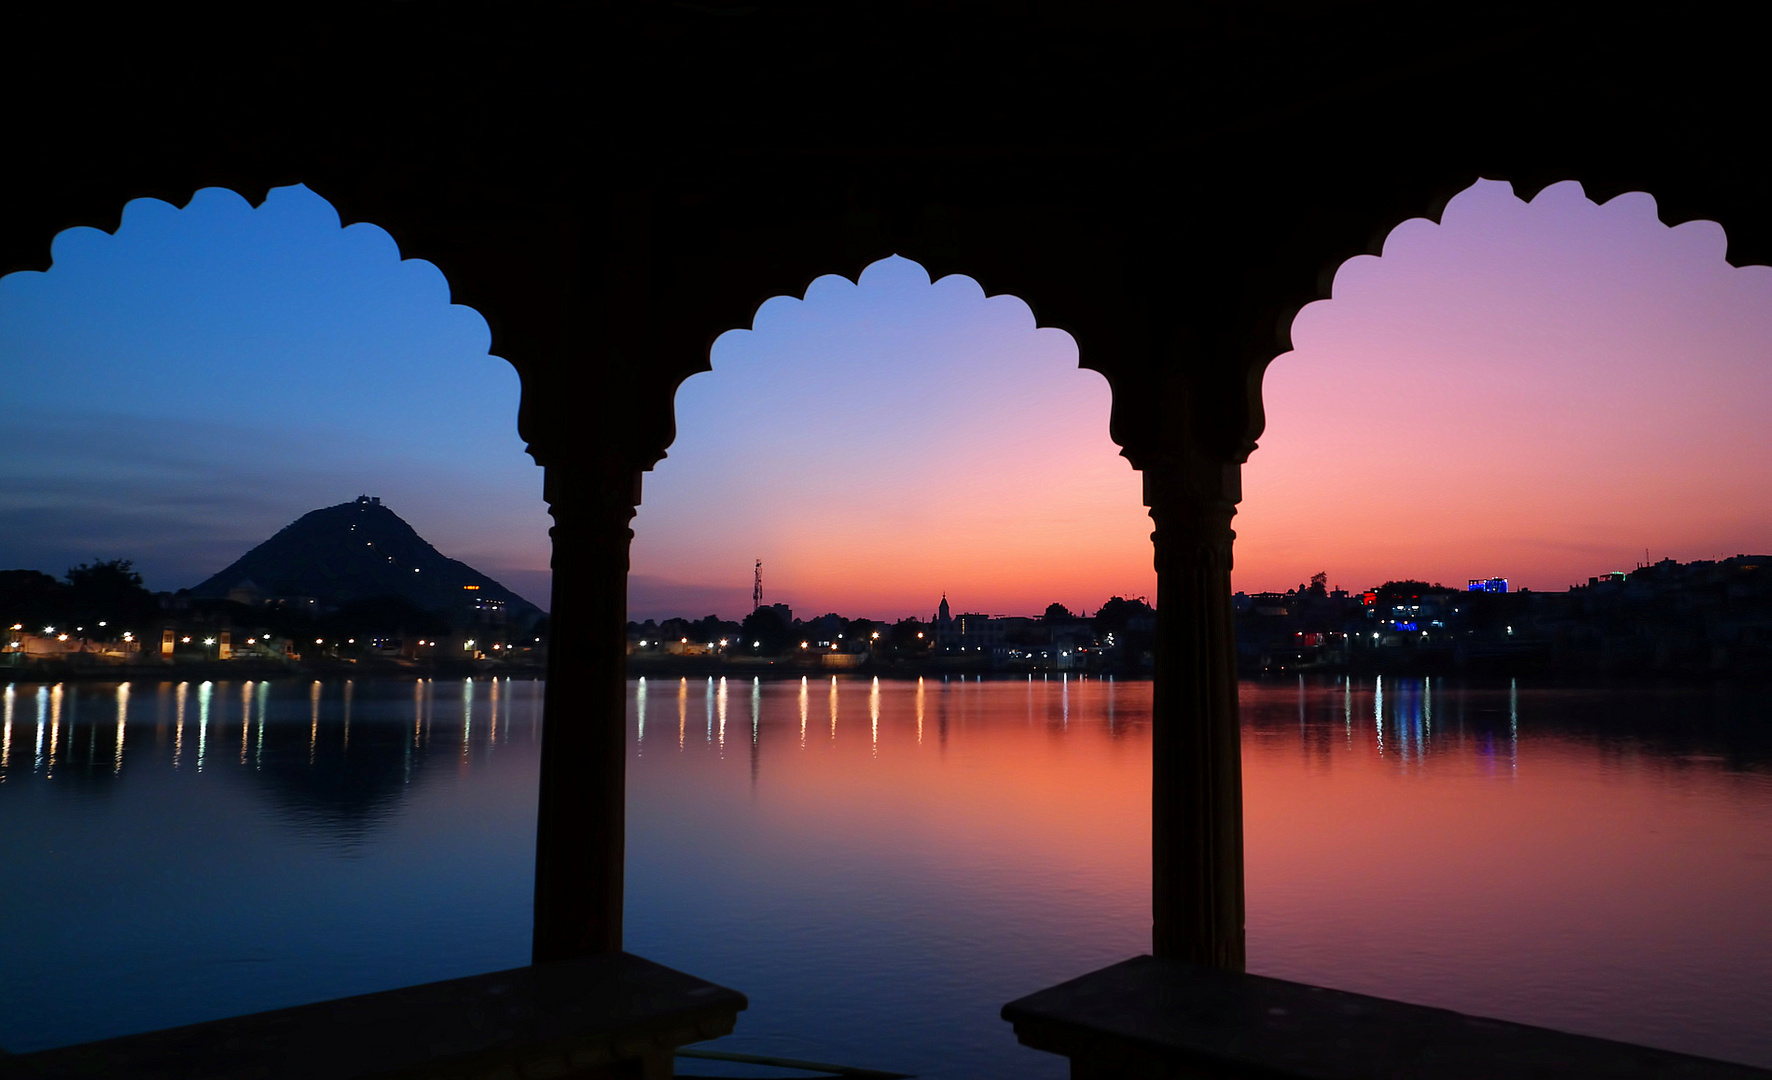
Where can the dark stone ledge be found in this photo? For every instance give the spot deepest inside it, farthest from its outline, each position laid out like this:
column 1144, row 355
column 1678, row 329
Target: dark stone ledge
column 601, row 1016
column 1147, row 1017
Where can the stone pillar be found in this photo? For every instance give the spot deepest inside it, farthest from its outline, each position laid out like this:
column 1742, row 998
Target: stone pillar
column 581, row 825
column 1196, row 765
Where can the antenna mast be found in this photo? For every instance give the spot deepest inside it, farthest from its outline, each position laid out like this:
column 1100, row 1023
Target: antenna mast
column 757, row 587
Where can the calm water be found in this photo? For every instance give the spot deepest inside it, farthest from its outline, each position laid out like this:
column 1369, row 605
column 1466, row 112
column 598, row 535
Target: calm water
column 879, row 866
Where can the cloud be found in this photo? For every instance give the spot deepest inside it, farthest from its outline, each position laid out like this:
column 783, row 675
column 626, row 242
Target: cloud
column 179, row 499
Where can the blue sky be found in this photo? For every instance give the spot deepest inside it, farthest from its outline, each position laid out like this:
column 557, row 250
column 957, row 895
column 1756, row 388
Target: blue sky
column 180, row 390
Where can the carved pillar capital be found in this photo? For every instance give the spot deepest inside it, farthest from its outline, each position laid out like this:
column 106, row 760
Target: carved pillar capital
column 592, row 502
column 1191, row 473
column 1192, row 501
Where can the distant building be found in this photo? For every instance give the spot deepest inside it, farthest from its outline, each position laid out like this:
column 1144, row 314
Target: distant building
column 1494, row 585
column 969, row 633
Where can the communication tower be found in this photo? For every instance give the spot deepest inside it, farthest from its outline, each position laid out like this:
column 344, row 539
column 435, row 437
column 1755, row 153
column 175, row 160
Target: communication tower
column 757, row 587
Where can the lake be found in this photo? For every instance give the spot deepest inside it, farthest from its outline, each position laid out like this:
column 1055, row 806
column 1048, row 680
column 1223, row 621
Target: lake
column 881, row 865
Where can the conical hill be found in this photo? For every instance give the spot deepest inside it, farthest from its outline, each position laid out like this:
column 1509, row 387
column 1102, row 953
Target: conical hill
column 355, row 551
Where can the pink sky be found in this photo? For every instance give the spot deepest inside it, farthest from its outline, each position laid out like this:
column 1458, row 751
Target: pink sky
column 1538, row 391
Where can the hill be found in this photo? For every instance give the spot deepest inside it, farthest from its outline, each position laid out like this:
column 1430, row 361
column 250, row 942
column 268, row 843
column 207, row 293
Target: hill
column 357, row 551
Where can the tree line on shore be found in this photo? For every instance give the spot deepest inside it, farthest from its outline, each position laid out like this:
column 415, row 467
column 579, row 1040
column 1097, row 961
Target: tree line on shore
column 105, row 604
column 773, row 630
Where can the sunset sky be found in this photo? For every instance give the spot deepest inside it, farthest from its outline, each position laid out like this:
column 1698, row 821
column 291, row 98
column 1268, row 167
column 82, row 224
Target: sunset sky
column 1539, row 391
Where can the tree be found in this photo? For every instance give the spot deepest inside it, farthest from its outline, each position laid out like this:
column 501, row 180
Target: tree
column 1055, row 612
column 110, row 592
column 767, row 629
column 909, row 635
column 33, row 599
column 1113, row 616
column 1391, row 590
column 1320, row 583
column 712, row 629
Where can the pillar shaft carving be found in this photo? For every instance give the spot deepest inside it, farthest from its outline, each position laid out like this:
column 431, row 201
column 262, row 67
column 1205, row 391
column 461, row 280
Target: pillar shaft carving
column 1196, row 764
column 580, row 831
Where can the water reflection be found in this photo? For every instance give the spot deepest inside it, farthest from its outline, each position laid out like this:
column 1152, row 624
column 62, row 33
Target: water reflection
column 1507, row 836
column 178, row 737
column 283, row 733
column 292, row 867
column 467, row 720
column 1464, row 814
column 640, row 710
column 122, row 719
column 721, row 708
column 756, row 730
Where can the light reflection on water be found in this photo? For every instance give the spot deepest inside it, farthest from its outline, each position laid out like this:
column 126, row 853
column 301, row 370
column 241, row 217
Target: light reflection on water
column 879, row 897
column 180, row 851
column 1594, row 860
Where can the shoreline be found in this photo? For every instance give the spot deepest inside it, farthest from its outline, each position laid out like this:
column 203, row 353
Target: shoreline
column 236, row 670
column 233, row 670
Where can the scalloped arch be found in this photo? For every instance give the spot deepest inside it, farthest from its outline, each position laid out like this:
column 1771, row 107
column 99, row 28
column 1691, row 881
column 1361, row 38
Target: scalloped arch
column 1429, row 203
column 48, row 229
column 795, row 285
